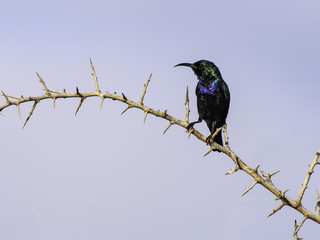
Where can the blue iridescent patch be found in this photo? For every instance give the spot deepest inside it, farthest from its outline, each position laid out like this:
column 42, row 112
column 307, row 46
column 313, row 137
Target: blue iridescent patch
column 208, row 91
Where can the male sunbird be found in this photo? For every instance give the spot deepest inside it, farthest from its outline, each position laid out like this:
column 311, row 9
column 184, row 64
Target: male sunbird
column 213, row 97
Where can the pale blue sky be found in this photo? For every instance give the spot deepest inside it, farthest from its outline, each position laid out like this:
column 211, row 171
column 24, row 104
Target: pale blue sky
column 101, row 175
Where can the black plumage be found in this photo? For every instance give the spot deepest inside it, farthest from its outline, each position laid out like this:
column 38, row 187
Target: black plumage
column 213, row 97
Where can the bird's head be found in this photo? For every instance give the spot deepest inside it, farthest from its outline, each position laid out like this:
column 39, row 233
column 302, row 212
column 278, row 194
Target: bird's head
column 203, row 69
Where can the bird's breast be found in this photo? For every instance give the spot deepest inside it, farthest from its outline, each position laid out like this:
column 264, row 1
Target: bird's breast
column 207, row 89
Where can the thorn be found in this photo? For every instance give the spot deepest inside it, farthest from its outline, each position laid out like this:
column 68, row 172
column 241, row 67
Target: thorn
column 274, row 173
column 31, row 112
column 78, row 93
column 54, row 102
column 256, row 169
column 190, row 132
column 232, row 171
column 145, row 116
column 81, row 101
column 18, row 107
column 6, row 97
column 208, row 152
column 170, row 124
column 126, row 109
column 249, row 188
column 124, row 97
column 165, row 113
column 101, row 103
column 44, row 85
column 276, row 209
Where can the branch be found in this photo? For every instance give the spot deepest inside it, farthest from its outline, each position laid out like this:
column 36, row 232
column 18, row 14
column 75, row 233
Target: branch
column 264, row 180
column 297, row 227
column 306, row 181
column 145, row 89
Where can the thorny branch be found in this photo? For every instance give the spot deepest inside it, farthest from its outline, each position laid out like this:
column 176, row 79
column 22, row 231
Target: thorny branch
column 263, row 180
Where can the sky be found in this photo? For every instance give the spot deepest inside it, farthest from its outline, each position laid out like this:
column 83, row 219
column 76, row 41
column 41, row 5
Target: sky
column 103, row 175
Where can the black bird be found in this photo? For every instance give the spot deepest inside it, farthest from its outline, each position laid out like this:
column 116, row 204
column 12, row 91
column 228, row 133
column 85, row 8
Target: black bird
column 213, row 97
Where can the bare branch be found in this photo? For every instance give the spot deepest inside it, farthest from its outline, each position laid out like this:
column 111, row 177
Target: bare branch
column 306, row 181
column 264, row 180
column 145, row 89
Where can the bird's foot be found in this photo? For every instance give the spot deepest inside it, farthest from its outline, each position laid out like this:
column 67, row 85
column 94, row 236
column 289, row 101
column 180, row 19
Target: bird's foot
column 209, row 139
column 190, row 126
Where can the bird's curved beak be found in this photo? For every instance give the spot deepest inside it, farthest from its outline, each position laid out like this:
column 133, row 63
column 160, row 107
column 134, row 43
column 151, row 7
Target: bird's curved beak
column 187, row 65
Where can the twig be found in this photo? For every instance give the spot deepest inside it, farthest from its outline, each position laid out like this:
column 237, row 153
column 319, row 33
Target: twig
column 297, row 228
column 44, row 85
column 95, row 77
column 145, row 89
column 306, row 181
column 187, row 105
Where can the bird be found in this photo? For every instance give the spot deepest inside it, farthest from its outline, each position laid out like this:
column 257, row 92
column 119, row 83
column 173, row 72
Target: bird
column 213, row 97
